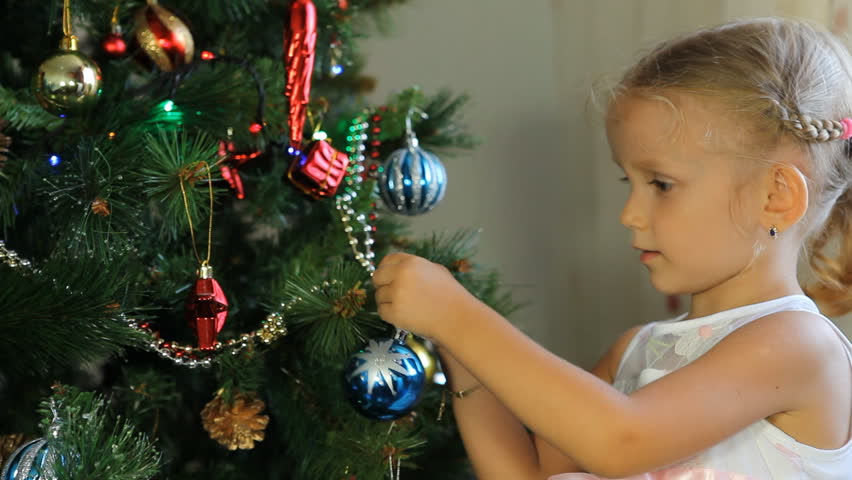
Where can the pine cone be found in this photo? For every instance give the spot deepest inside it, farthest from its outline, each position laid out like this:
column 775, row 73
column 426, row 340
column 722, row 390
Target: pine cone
column 462, row 266
column 101, row 207
column 350, row 304
column 235, row 425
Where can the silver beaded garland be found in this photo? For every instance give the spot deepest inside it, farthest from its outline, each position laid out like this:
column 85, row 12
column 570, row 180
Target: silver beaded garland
column 272, row 329
column 354, row 180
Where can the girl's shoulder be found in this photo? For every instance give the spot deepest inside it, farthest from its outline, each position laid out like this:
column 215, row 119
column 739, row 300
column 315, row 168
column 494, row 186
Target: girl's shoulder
column 799, row 343
column 807, row 346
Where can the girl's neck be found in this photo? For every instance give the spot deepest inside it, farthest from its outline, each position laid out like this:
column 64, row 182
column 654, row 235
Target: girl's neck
column 759, row 284
column 701, row 308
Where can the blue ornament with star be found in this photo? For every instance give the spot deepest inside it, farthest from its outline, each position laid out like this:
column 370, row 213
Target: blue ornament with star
column 384, row 380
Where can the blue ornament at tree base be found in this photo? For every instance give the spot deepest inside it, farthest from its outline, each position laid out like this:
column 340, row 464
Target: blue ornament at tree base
column 34, row 460
column 384, row 380
column 412, row 180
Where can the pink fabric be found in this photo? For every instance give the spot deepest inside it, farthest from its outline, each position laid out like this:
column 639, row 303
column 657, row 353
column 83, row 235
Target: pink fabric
column 674, row 473
column 847, row 128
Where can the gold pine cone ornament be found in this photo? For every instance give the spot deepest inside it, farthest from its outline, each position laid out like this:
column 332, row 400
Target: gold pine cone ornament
column 238, row 424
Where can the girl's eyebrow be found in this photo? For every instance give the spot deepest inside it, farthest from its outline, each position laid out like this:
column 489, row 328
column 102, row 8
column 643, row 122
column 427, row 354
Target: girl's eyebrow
column 645, row 163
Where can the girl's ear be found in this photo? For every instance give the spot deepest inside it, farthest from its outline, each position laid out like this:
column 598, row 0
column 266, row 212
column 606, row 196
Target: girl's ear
column 786, row 198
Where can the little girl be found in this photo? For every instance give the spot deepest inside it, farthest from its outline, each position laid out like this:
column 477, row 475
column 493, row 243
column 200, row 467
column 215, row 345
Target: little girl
column 735, row 144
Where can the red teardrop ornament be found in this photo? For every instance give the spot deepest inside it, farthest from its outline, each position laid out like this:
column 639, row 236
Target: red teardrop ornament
column 206, row 310
column 300, row 41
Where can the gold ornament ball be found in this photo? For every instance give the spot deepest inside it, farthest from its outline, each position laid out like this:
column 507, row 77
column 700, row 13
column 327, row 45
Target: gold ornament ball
column 68, row 82
column 426, row 357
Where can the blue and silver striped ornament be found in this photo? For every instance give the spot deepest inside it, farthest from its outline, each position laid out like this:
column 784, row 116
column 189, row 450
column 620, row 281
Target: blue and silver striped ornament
column 413, row 180
column 34, row 460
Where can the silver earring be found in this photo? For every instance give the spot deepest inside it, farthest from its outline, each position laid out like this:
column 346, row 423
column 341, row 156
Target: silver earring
column 773, row 232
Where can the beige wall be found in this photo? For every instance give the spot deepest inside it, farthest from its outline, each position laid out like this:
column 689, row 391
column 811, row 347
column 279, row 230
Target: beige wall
column 541, row 186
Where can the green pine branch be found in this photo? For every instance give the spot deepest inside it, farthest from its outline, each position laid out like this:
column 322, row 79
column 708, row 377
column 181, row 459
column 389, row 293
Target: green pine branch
column 332, row 320
column 175, row 181
column 20, row 109
column 456, row 251
column 93, row 443
column 68, row 313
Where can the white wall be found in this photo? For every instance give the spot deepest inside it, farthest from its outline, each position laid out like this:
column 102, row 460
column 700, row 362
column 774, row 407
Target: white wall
column 541, row 186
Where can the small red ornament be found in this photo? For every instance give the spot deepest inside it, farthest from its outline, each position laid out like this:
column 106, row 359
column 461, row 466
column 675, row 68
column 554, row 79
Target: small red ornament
column 232, row 160
column 299, row 51
column 114, row 45
column 319, row 172
column 206, row 308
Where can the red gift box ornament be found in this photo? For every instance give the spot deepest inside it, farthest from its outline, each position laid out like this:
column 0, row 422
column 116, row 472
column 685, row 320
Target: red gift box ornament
column 206, row 308
column 319, row 172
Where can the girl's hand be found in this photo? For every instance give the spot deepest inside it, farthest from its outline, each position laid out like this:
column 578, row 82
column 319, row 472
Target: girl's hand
column 417, row 295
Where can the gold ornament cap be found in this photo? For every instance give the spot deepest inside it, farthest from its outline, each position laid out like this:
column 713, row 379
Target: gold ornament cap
column 205, row 271
column 68, row 42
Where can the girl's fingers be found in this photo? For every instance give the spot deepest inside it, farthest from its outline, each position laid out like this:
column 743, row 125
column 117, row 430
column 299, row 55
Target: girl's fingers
column 383, row 295
column 387, row 268
column 383, row 275
column 393, row 259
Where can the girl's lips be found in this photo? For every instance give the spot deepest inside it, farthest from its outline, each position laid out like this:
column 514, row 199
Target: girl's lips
column 648, row 255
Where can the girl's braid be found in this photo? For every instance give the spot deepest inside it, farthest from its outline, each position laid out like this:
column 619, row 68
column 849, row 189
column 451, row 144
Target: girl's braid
column 809, row 128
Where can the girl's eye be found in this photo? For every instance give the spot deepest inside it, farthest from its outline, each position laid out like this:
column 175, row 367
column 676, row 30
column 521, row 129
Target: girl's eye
column 624, row 180
column 661, row 185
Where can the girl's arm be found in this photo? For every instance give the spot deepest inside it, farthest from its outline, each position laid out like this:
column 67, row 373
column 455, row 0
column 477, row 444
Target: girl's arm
column 776, row 364
column 768, row 366
column 497, row 444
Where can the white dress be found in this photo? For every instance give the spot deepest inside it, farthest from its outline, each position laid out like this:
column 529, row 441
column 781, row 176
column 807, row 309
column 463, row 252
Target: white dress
column 761, row 451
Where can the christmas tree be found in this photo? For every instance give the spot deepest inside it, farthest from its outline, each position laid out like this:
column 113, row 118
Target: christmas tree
column 193, row 197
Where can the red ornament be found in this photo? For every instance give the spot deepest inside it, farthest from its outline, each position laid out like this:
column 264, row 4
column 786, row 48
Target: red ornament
column 319, row 172
column 232, row 160
column 299, row 50
column 206, row 308
column 114, row 45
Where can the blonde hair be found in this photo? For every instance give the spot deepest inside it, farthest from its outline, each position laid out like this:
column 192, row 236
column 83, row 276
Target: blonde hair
column 786, row 78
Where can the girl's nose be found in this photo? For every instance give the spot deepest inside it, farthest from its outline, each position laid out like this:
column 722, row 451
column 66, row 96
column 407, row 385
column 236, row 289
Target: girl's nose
column 631, row 216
